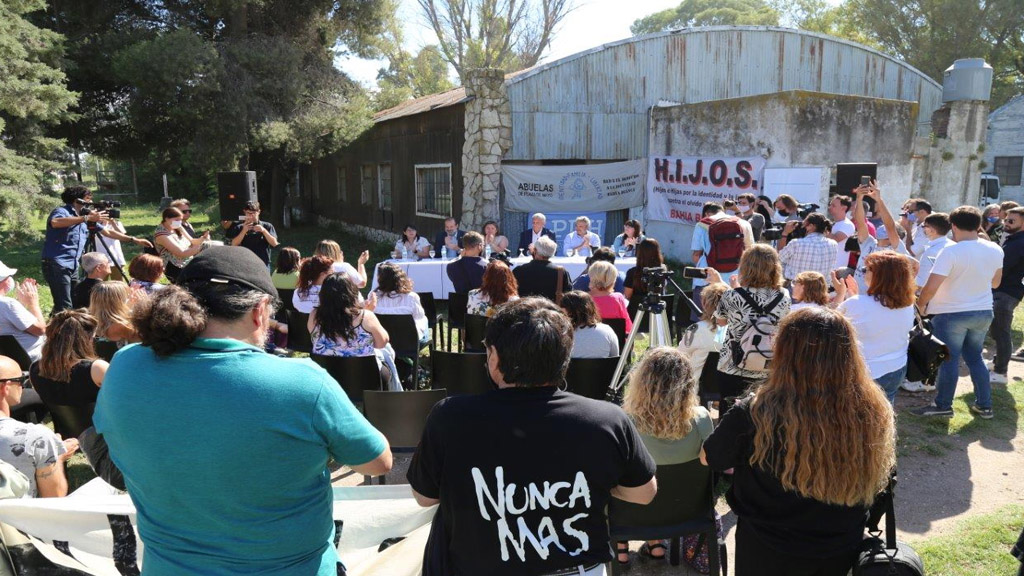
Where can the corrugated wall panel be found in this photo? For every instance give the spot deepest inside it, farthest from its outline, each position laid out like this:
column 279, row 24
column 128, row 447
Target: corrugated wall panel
column 552, row 103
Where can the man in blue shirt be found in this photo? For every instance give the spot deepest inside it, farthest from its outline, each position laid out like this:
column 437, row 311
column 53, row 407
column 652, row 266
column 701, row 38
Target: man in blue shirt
column 66, row 234
column 224, row 448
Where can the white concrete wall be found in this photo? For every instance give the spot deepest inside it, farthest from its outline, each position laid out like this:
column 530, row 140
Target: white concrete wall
column 1006, row 138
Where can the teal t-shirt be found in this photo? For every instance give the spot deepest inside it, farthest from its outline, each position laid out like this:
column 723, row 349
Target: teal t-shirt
column 224, row 450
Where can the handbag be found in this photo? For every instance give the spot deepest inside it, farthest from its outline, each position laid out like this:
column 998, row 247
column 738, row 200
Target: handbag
column 888, row 557
column 925, row 353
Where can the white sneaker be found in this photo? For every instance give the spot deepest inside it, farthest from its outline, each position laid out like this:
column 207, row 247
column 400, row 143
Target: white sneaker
column 927, row 388
column 996, row 378
column 990, row 364
column 913, row 386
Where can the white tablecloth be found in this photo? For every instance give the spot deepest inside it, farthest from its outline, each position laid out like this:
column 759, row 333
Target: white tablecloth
column 431, row 276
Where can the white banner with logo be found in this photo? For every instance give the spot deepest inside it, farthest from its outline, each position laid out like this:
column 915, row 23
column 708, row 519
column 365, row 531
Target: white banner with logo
column 382, row 531
column 578, row 188
column 677, row 187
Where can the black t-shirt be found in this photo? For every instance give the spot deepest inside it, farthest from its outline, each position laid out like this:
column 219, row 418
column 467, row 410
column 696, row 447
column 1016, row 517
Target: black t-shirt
column 80, row 297
column 254, row 241
column 79, row 391
column 524, row 475
column 783, row 520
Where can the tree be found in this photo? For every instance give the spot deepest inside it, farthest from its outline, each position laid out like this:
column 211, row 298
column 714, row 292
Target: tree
column 505, row 34
column 693, row 13
column 33, row 96
column 412, row 77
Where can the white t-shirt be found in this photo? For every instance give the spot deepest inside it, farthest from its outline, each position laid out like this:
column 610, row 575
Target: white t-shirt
column 15, row 319
column 306, row 302
column 928, row 256
column 843, row 227
column 883, row 334
column 348, row 270
column 698, row 341
column 800, row 305
column 407, row 303
column 597, row 341
column 918, row 240
column 969, row 267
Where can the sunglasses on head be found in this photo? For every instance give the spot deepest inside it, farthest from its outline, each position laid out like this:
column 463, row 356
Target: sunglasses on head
column 20, row 380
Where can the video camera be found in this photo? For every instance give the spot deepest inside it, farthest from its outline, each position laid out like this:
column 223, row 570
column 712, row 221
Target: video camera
column 802, row 211
column 111, row 207
column 655, row 279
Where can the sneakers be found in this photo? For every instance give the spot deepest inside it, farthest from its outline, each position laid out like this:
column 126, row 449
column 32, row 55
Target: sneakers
column 984, row 413
column 996, row 377
column 932, row 410
column 1018, row 355
column 991, row 365
column 912, row 386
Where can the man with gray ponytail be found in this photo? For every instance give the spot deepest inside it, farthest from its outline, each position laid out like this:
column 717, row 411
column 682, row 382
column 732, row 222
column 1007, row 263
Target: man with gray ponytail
column 224, row 448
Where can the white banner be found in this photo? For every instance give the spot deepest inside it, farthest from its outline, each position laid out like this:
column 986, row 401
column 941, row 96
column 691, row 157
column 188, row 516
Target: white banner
column 580, row 188
column 677, row 187
column 93, row 532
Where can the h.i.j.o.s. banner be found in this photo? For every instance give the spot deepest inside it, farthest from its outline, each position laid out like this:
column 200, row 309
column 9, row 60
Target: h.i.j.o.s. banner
column 678, row 187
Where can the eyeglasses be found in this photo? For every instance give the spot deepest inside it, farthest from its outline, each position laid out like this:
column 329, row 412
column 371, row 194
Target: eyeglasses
column 20, row 380
column 186, row 211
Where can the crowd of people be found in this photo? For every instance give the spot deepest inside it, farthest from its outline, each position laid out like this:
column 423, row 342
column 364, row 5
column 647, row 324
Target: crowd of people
column 803, row 319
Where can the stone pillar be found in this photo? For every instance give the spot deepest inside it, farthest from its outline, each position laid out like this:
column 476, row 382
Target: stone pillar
column 488, row 138
column 947, row 169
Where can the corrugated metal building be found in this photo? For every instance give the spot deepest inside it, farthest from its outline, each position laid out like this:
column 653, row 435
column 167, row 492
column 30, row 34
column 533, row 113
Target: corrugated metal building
column 1004, row 152
column 594, row 106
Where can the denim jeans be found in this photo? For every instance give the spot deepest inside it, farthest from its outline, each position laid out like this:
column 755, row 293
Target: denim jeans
column 61, row 282
column 964, row 334
column 890, row 383
column 1003, row 306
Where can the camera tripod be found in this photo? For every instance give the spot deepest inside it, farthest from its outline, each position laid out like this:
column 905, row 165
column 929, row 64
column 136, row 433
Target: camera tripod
column 653, row 307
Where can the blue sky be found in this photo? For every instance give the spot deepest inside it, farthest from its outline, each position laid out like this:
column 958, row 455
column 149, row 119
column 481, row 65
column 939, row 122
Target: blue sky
column 592, row 23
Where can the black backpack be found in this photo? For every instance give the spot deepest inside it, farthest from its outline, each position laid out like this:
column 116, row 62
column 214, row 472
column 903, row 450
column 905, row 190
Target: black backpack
column 888, row 557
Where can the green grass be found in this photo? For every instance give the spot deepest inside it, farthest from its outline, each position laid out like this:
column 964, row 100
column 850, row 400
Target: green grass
column 978, row 546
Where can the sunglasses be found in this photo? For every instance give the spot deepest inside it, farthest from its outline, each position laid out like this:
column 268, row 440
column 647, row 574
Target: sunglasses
column 186, row 211
column 20, row 380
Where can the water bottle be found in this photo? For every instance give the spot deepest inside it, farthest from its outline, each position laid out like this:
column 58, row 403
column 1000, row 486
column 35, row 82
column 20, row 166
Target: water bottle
column 405, row 253
column 487, row 252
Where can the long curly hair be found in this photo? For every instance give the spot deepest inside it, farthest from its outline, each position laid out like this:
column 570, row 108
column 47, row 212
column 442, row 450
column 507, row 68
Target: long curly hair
column 68, row 341
column 662, row 394
column 311, row 269
column 339, row 306
column 391, row 280
column 822, row 425
column 815, row 288
column 498, row 283
column 108, row 304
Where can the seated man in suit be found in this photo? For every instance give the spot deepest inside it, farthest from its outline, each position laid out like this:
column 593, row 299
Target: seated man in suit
column 449, row 239
column 530, row 236
column 582, row 240
column 467, row 273
column 539, row 277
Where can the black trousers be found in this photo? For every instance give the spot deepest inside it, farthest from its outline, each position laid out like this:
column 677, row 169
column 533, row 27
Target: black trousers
column 754, row 558
column 731, row 387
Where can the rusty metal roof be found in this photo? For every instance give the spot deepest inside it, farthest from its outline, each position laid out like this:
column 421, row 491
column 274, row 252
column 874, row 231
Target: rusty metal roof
column 424, row 104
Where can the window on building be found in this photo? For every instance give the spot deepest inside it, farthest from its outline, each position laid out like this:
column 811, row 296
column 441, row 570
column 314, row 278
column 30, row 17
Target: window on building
column 340, row 185
column 366, row 184
column 1008, row 168
column 384, row 183
column 434, row 190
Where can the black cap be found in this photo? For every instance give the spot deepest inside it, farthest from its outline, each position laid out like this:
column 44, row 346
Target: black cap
column 229, row 265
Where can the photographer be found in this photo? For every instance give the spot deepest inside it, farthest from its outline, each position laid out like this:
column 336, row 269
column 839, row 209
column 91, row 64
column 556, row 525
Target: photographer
column 252, row 233
column 67, row 231
column 868, row 244
column 807, row 248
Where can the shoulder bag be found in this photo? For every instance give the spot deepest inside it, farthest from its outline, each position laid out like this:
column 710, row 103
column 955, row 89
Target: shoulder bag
column 888, row 557
column 925, row 353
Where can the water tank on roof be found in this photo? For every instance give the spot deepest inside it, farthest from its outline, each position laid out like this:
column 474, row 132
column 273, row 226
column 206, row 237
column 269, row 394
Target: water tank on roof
column 967, row 79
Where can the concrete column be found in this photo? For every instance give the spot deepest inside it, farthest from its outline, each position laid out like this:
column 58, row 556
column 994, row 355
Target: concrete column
column 488, row 138
column 946, row 163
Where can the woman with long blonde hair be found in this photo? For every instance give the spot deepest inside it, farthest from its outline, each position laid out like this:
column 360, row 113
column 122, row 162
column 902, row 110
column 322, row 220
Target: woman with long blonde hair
column 110, row 303
column 332, row 250
column 810, row 451
column 661, row 399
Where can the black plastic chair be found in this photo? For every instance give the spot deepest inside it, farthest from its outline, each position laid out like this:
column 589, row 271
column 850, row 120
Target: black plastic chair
column 434, row 320
column 355, row 374
column 400, row 416
column 405, row 339
column 10, row 347
column 684, row 505
column 456, row 316
column 298, row 333
column 591, row 377
column 105, row 349
column 286, row 298
column 618, row 326
column 476, row 329
column 70, row 421
column 460, row 373
column 707, row 384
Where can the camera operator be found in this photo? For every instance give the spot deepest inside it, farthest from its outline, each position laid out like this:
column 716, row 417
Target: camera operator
column 806, row 248
column 252, row 233
column 67, row 230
